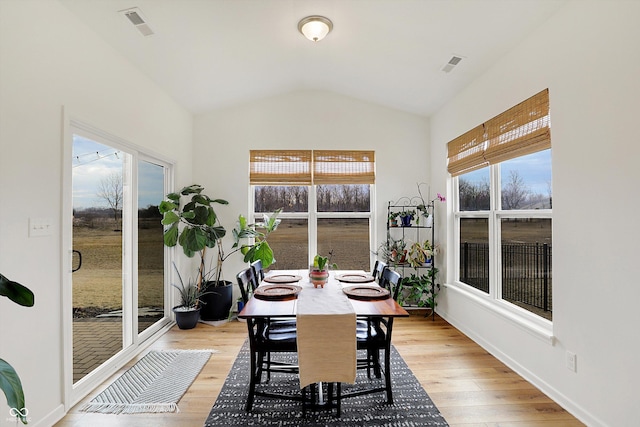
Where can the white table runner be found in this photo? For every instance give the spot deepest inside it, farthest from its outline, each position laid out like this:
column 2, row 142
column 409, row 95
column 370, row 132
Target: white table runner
column 326, row 325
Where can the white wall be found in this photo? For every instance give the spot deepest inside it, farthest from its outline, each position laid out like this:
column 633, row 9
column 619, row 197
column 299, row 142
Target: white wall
column 49, row 60
column 588, row 55
column 307, row 120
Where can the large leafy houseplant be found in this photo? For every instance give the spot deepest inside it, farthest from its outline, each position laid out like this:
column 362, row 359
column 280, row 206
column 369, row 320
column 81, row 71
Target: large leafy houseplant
column 194, row 225
column 200, row 228
column 9, row 379
column 256, row 247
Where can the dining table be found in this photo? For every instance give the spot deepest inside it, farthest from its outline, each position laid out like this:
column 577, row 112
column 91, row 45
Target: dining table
column 326, row 319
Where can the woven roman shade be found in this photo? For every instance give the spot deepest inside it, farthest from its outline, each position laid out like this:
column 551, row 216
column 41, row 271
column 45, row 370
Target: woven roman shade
column 466, row 152
column 275, row 167
column 521, row 130
column 306, row 167
column 343, row 167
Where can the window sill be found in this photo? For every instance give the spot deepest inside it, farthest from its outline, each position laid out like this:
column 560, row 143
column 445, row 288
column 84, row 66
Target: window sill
column 538, row 327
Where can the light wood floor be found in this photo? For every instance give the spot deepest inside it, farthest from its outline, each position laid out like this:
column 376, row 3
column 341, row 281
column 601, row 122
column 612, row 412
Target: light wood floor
column 469, row 386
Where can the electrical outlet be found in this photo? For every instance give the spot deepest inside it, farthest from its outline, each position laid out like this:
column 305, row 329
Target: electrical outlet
column 572, row 361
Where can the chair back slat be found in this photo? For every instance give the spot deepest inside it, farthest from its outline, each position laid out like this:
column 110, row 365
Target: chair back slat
column 378, row 267
column 390, row 280
column 247, row 283
column 258, row 271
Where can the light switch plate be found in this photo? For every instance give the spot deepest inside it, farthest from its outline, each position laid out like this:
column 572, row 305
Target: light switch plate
column 40, row 227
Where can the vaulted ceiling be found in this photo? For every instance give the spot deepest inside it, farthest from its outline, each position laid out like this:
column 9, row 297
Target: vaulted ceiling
column 211, row 54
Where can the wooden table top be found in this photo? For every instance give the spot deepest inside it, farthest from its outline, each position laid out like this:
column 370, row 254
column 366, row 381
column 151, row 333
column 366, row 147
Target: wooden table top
column 258, row 308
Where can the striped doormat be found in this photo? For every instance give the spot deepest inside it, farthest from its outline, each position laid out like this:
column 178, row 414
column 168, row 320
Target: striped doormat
column 154, row 384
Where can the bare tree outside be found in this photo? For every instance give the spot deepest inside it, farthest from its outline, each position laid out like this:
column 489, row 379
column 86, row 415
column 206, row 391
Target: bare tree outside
column 474, row 196
column 514, row 192
column 110, row 190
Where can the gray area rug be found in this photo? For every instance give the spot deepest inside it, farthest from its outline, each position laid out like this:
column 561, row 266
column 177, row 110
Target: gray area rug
column 154, row 384
column 412, row 406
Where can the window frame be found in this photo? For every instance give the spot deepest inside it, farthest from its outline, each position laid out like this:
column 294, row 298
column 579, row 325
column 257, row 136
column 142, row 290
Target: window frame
column 313, row 215
column 541, row 327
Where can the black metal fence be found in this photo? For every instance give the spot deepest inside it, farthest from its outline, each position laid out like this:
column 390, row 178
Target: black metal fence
column 526, row 272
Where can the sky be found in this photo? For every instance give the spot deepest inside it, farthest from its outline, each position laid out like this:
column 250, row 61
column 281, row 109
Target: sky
column 534, row 169
column 93, row 162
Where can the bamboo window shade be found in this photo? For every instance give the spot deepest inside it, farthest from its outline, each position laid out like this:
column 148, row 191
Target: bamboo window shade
column 343, row 167
column 521, row 130
column 275, row 167
column 306, row 167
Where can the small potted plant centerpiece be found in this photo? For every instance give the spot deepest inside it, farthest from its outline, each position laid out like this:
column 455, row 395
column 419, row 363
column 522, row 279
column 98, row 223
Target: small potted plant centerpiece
column 319, row 270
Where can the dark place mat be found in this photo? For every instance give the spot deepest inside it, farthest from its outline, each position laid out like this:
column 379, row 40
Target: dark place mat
column 277, row 292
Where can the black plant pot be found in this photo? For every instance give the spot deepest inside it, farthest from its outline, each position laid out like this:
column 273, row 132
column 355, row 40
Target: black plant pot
column 187, row 319
column 216, row 304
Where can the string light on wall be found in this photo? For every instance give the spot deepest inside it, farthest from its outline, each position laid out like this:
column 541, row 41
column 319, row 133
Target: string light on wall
column 93, row 156
column 315, row 27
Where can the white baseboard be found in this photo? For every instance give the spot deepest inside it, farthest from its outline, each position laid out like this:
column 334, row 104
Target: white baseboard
column 51, row 418
column 561, row 399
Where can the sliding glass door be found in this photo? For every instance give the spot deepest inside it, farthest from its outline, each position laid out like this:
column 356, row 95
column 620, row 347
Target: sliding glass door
column 151, row 191
column 117, row 280
column 98, row 180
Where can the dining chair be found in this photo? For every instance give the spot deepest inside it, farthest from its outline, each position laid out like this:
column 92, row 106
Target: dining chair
column 272, row 330
column 262, row 343
column 391, row 280
column 258, row 270
column 247, row 283
column 378, row 267
column 377, row 336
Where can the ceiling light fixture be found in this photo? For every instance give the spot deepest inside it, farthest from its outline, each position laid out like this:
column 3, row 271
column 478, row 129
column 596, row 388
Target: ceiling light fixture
column 315, row 27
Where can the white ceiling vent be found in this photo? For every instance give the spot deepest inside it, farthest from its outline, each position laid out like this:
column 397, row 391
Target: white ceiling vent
column 455, row 60
column 134, row 15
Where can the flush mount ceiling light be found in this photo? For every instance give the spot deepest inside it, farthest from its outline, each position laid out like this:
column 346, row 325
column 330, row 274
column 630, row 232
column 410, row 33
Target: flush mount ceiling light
column 315, row 28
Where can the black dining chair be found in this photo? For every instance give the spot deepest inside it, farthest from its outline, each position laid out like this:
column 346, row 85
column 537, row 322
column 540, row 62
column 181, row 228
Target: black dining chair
column 264, row 339
column 262, row 343
column 281, row 323
column 364, row 328
column 377, row 336
column 258, row 270
column 378, row 267
column 392, row 281
column 247, row 283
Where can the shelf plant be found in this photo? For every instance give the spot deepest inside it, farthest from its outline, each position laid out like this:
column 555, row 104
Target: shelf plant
column 420, row 290
column 406, row 216
column 420, row 253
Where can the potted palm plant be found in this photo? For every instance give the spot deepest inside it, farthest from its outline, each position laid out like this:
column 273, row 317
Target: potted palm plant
column 9, row 380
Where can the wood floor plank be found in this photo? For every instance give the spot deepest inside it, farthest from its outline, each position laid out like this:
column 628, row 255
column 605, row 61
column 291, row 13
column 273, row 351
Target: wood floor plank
column 469, row 386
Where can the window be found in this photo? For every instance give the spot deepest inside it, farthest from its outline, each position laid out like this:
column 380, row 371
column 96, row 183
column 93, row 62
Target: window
column 502, row 175
column 326, row 198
